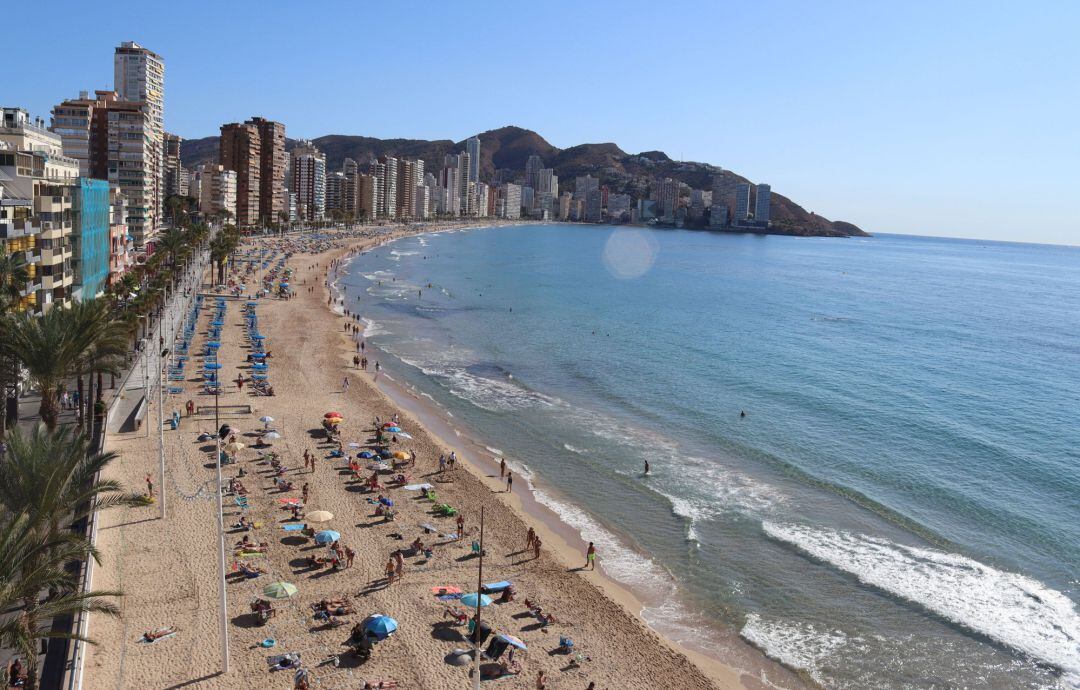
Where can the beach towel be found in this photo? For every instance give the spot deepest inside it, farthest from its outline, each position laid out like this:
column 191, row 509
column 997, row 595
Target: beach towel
column 250, row 554
column 142, row 639
column 292, row 527
column 446, row 590
column 418, row 487
column 450, row 597
column 495, row 587
column 289, row 501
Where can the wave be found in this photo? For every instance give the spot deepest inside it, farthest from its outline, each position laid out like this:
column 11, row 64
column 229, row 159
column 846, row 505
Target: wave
column 1014, row 610
column 372, row 328
column 493, row 451
column 572, row 449
column 801, row 647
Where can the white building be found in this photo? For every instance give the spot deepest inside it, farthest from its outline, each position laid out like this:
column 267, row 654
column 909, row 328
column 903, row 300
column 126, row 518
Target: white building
column 511, row 198
column 309, row 180
column 472, row 147
column 217, row 191
column 139, row 77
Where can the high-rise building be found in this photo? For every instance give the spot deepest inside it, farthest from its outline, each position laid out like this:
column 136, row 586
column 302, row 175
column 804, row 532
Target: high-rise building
column 594, row 206
column 564, row 205
column 217, row 191
column 388, row 191
column 121, row 247
column 83, row 127
column 350, row 190
column 584, row 184
column 335, row 192
column 410, row 176
column 762, row 204
column 176, row 178
column 36, row 214
column 369, row 189
column 273, row 198
column 725, row 187
column 742, row 203
column 240, row 152
column 472, row 147
column 511, row 195
column 718, row 216
column 90, row 237
column 533, row 166
column 452, row 183
column 139, row 77
column 309, row 181
column 700, row 199
column 668, row 196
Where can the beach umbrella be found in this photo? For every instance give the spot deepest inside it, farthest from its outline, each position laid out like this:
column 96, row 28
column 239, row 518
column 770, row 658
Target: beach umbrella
column 385, row 454
column 319, row 516
column 327, row 536
column 379, row 625
column 510, row 639
column 279, row 590
column 402, row 434
column 272, row 436
column 328, row 415
column 213, row 343
column 401, row 455
column 354, row 444
column 365, row 454
column 387, row 425
column 266, row 419
column 470, row 599
column 234, row 446
column 334, row 420
column 394, row 429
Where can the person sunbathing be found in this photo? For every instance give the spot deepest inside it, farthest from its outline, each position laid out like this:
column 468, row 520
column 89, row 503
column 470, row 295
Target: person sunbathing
column 457, row 615
column 417, row 545
column 250, row 571
column 152, row 635
column 545, row 619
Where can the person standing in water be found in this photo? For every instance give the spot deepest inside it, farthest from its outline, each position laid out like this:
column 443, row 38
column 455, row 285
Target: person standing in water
column 646, row 467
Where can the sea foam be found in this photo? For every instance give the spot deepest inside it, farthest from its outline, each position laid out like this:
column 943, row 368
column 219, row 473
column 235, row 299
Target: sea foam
column 1015, row 610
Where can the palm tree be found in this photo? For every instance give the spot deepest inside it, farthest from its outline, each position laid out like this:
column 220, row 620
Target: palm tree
column 31, row 565
column 14, row 275
column 58, row 345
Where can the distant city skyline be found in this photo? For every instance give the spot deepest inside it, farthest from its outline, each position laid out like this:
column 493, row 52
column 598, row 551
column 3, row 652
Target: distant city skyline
column 923, row 119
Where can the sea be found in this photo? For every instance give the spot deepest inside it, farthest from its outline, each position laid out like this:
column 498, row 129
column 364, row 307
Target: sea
column 864, row 453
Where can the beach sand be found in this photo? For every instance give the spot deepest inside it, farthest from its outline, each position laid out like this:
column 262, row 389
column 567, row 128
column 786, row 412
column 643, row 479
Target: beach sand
column 168, row 569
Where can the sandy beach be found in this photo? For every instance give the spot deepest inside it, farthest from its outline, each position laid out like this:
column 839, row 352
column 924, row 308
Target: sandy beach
column 168, row 569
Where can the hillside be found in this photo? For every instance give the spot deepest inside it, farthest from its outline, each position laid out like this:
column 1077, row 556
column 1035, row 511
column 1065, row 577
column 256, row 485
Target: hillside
column 508, row 148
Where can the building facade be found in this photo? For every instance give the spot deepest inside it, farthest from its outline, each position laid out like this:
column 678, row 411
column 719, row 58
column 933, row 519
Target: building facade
column 763, row 204
column 139, row 77
column 240, row 151
column 309, row 181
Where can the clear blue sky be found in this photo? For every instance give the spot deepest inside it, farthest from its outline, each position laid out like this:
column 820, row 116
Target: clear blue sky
column 943, row 118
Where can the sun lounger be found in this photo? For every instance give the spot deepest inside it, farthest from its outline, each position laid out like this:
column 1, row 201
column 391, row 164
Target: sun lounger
column 493, row 587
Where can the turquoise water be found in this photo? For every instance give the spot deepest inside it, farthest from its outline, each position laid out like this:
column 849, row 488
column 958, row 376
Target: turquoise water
column 900, row 506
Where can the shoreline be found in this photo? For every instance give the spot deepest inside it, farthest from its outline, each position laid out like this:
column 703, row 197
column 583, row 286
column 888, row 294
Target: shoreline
column 166, row 568
column 558, row 535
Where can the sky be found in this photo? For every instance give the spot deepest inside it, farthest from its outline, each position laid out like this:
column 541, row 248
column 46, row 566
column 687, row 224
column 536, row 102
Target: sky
column 953, row 118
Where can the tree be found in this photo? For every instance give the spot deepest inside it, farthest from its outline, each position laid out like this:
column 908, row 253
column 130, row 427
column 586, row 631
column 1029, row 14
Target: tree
column 59, row 344
column 31, row 566
column 14, row 275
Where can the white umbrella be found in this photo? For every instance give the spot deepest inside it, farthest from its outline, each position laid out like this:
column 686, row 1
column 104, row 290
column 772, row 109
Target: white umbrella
column 266, row 418
column 272, row 436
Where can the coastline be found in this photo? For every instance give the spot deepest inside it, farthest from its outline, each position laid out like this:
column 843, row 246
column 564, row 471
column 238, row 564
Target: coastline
column 559, row 536
column 166, row 567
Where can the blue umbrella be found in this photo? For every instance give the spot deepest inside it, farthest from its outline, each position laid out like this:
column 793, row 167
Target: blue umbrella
column 385, row 454
column 394, row 429
column 365, row 454
column 217, row 323
column 327, row 536
column 212, row 365
column 387, row 502
column 380, row 626
column 213, row 343
column 470, row 599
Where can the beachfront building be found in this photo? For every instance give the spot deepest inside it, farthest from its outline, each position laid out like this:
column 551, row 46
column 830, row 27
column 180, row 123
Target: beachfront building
column 472, row 148
column 762, row 205
column 36, row 197
column 217, row 191
column 410, row 176
column 91, row 237
column 618, row 206
column 564, row 205
column 139, row 78
column 121, row 244
column 700, row 199
column 511, row 200
column 724, row 190
column 667, row 196
column 309, row 181
column 533, row 165
column 718, row 216
column 335, row 183
column 177, row 178
column 273, row 163
column 240, row 151
column 742, row 203
column 370, row 194
column 385, row 168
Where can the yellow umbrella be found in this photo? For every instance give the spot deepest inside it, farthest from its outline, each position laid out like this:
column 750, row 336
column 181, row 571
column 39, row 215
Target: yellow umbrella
column 319, row 516
column 234, row 446
column 401, row 455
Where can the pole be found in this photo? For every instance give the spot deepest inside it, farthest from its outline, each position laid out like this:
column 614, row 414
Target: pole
column 161, row 432
column 221, row 547
column 476, row 630
column 146, row 378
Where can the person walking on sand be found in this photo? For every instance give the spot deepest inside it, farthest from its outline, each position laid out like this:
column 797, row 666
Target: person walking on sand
column 349, row 556
column 390, row 570
column 149, row 486
column 460, row 526
column 306, row 492
column 530, row 536
column 345, row 385
column 356, row 361
column 590, row 556
column 399, row 569
column 502, row 466
column 536, row 547
column 509, row 482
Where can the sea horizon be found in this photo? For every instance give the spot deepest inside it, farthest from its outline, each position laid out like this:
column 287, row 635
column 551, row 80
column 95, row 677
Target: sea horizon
column 754, row 491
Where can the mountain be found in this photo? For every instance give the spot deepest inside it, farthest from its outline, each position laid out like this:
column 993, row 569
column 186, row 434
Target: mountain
column 508, row 148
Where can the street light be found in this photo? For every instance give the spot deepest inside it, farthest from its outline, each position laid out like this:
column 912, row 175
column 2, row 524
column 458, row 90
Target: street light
column 161, row 426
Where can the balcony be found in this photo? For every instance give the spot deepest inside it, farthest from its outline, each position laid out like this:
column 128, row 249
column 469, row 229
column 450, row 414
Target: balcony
column 56, row 255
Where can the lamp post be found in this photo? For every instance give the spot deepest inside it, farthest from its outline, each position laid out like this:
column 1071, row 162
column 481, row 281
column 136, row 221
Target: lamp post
column 161, row 426
column 479, row 585
column 223, row 600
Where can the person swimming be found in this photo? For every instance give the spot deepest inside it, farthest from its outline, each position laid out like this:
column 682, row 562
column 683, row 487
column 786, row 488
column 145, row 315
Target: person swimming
column 646, row 467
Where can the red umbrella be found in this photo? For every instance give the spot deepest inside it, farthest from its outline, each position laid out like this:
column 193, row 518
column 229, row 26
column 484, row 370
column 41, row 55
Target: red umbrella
column 387, row 425
column 330, row 415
